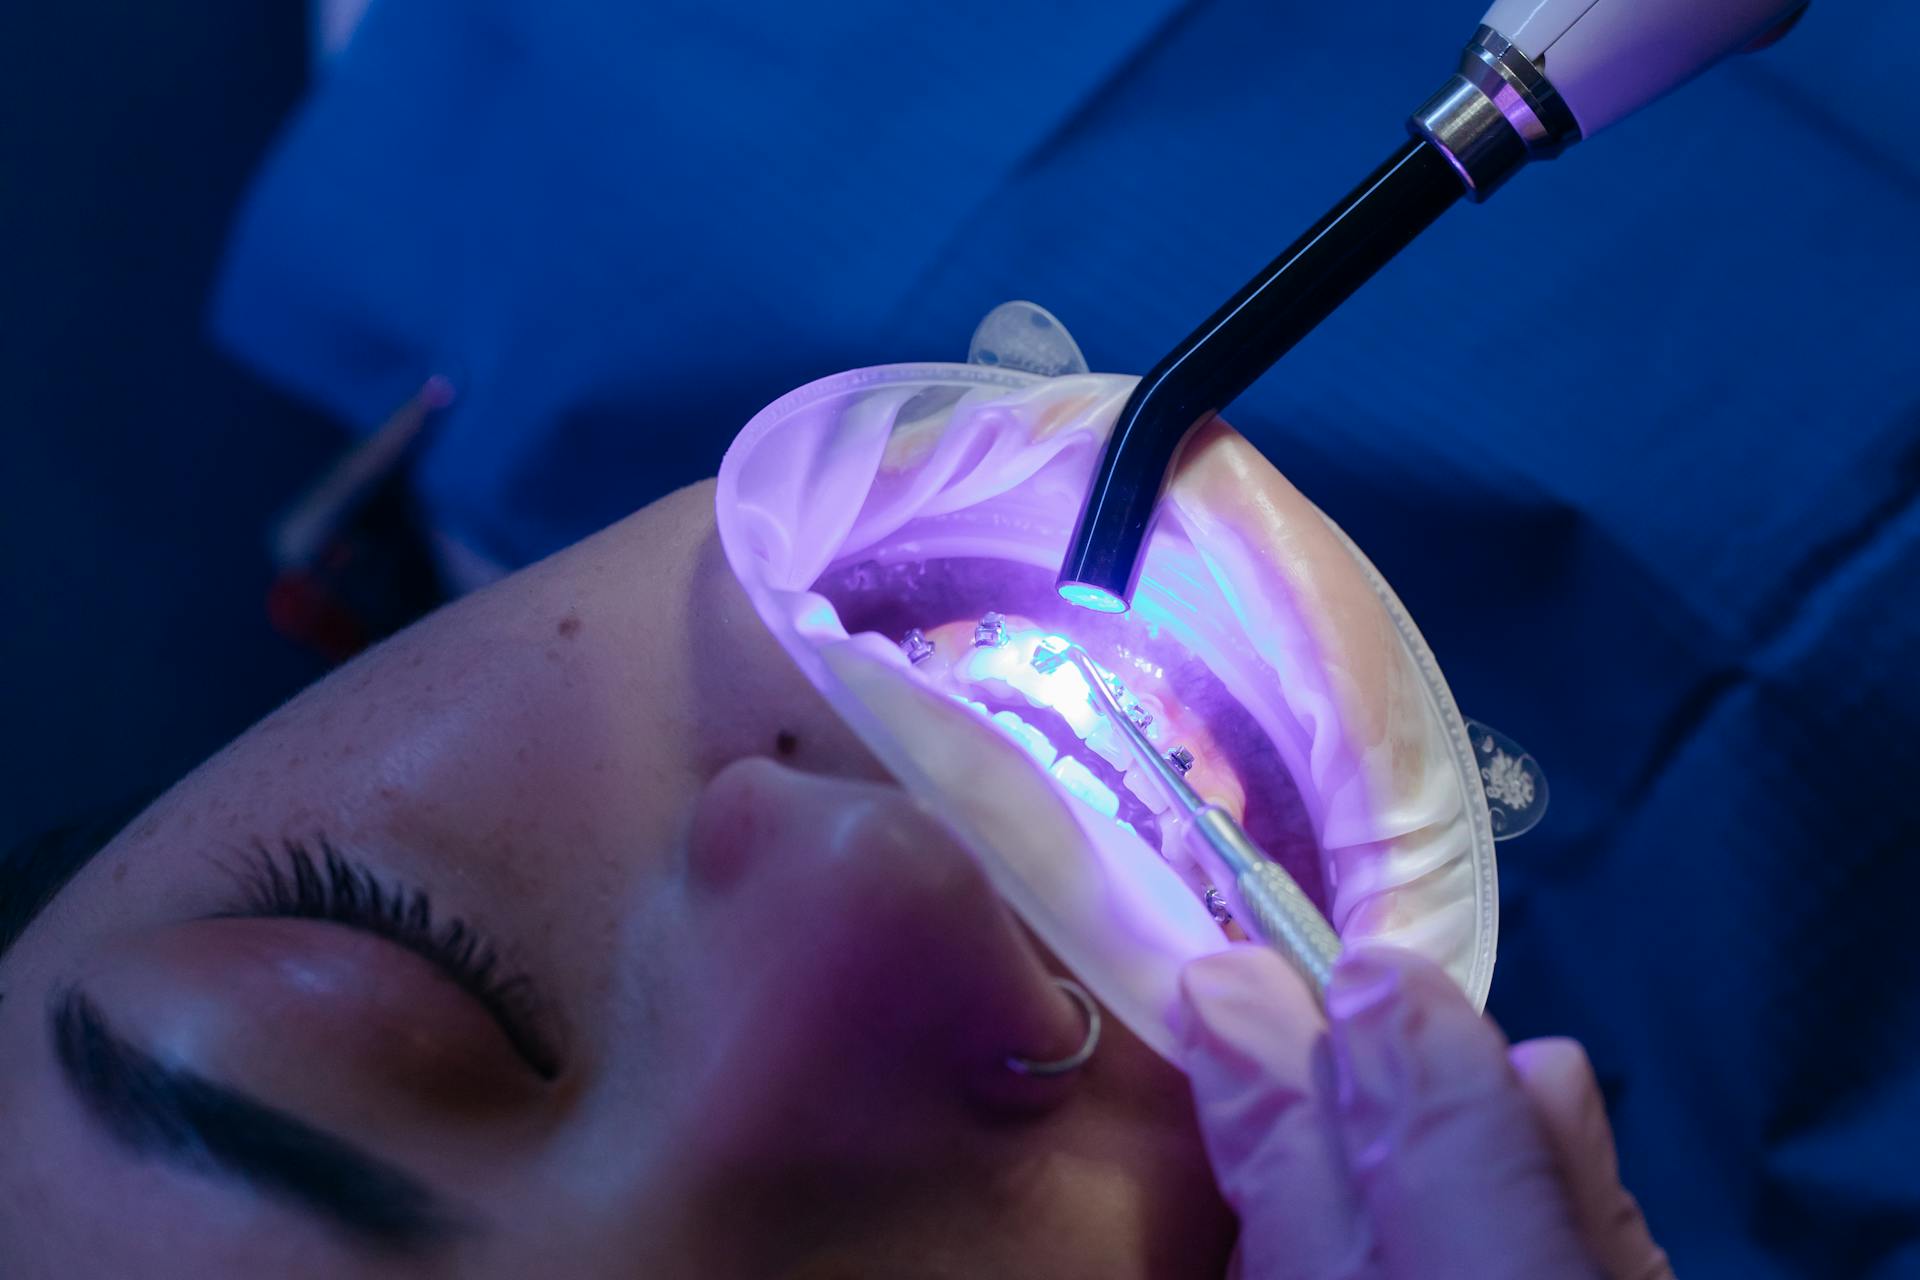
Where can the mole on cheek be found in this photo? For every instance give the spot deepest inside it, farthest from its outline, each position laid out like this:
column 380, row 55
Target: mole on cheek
column 569, row 627
column 786, row 742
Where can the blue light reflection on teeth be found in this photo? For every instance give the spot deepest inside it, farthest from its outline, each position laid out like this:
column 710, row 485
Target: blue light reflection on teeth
column 1075, row 777
column 1061, row 687
column 1027, row 736
column 1079, row 781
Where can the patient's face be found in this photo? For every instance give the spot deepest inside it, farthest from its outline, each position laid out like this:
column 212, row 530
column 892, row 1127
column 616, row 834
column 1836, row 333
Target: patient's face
column 568, row 934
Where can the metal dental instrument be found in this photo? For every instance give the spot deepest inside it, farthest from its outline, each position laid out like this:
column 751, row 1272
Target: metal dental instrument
column 1500, row 110
column 1266, row 899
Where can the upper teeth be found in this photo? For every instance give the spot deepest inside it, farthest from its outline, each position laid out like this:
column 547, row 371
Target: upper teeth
column 1008, row 657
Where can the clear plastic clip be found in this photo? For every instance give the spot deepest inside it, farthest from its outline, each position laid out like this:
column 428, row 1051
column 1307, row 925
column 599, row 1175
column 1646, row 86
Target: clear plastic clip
column 1516, row 786
column 1025, row 336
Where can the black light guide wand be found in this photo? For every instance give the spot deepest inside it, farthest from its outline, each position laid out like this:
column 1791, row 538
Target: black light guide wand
column 1497, row 112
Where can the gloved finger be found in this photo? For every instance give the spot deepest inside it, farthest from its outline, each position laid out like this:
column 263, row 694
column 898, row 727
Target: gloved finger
column 1559, row 1081
column 1454, row 1171
column 1252, row 1043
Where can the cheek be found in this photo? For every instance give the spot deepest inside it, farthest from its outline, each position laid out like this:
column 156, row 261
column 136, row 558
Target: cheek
column 509, row 728
column 70, row 1206
column 535, row 765
column 553, row 745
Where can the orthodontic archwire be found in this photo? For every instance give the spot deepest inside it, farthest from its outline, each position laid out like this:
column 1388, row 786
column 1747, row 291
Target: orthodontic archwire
column 1271, row 904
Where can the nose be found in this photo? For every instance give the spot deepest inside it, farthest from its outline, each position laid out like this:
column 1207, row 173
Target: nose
column 871, row 940
column 839, row 991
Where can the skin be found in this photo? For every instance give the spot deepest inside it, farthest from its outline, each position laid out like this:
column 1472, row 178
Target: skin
column 780, row 996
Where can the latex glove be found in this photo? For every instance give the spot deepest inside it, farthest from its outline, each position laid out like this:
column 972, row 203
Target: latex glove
column 1400, row 1136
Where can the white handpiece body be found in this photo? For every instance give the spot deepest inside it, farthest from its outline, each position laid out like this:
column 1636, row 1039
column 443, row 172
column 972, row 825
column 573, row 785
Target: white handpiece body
column 1608, row 58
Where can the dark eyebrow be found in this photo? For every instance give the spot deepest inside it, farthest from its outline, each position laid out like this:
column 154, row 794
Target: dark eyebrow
column 180, row 1117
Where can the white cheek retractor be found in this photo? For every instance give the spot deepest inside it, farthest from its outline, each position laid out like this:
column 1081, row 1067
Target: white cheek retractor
column 862, row 491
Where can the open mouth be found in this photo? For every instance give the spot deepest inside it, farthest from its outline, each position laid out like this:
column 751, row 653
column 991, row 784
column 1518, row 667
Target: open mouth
column 862, row 508
column 990, row 667
column 982, row 656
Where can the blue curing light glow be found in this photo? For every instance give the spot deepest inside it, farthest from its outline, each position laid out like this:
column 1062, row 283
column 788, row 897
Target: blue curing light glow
column 1091, row 597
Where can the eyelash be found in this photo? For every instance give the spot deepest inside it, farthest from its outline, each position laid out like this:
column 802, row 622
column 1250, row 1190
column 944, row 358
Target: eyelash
column 291, row 883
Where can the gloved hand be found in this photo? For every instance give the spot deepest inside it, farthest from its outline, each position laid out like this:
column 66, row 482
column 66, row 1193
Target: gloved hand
column 1400, row 1136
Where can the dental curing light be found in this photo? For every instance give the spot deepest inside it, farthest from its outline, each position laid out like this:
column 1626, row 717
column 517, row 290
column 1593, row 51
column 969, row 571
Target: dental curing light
column 1538, row 76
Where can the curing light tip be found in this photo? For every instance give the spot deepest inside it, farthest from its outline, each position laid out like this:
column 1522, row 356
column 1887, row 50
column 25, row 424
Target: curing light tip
column 1088, row 596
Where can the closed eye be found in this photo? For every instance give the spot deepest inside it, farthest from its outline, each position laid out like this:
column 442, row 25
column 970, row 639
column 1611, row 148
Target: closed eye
column 291, row 883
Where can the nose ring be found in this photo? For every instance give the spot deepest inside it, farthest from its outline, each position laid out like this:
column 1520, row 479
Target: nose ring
column 1078, row 1058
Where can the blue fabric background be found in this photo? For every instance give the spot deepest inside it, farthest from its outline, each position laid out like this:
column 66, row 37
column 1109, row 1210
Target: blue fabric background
column 1638, row 441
